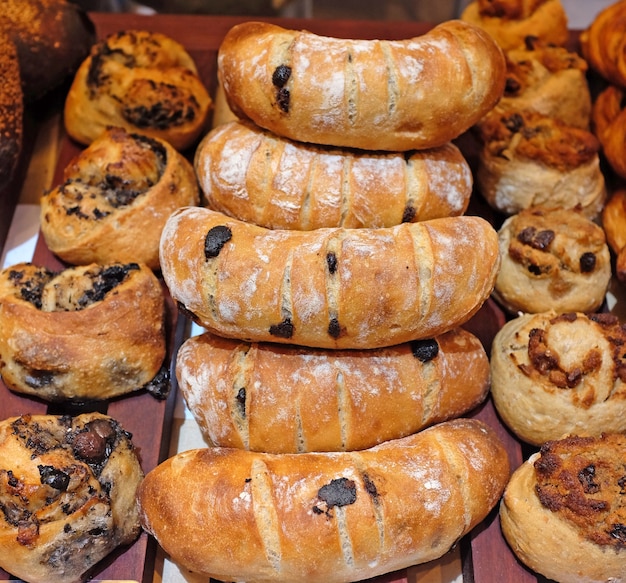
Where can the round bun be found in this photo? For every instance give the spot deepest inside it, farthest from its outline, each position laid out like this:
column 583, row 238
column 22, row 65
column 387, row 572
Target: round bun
column 552, row 259
column 608, row 119
column 52, row 38
column 527, row 159
column 559, row 374
column 563, row 510
column 115, row 198
column 614, row 223
column 143, row 81
column 67, row 491
column 86, row 333
column 510, row 22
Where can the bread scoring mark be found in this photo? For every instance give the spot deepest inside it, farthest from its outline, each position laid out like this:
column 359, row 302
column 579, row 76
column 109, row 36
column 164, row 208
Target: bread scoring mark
column 391, row 77
column 333, row 285
column 286, row 328
column 280, row 77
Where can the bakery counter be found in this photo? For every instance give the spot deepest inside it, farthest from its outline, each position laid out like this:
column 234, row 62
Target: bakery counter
column 163, row 427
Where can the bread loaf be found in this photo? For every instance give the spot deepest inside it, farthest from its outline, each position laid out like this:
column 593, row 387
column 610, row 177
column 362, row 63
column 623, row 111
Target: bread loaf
column 563, row 510
column 324, row 517
column 328, row 288
column 67, row 493
column 85, row 333
column 285, row 399
column 255, row 176
column 370, row 94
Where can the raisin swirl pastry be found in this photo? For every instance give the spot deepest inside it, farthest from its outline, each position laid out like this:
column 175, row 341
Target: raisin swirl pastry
column 115, row 198
column 564, row 510
column 608, row 118
column 558, row 374
column 552, row 259
column 143, row 81
column 614, row 223
column 510, row 22
column 67, row 493
column 528, row 159
column 86, row 333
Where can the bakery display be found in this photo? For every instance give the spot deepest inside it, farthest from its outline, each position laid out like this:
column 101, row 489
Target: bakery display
column 255, row 176
column 143, row 81
column 328, row 288
column 559, row 374
column 52, row 38
column 572, row 492
column 614, row 224
column 552, row 259
column 288, row 399
column 603, row 43
column 67, row 492
column 115, row 198
column 327, row 517
column 527, row 159
column 609, row 125
column 511, row 22
column 370, row 94
column 86, row 333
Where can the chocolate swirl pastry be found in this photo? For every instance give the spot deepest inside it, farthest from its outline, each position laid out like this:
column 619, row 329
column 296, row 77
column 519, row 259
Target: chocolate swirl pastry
column 564, row 510
column 67, row 494
column 528, row 159
column 552, row 259
column 558, row 374
column 143, row 81
column 115, row 198
column 86, row 333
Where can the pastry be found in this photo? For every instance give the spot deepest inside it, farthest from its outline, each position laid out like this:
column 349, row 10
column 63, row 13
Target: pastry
column 115, row 198
column 609, row 125
column 552, row 259
column 558, row 374
column 614, row 223
column 143, row 81
column 86, row 333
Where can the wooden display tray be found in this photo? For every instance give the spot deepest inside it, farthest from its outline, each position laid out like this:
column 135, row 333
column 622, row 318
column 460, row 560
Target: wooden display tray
column 485, row 555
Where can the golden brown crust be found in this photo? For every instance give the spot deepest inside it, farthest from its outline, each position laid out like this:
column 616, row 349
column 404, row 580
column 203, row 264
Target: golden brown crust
column 558, row 374
column 376, row 95
column 527, row 159
column 563, row 510
column 328, row 288
column 614, row 223
column 142, row 81
column 285, row 399
column 115, row 198
column 511, row 22
column 67, row 492
column 324, row 517
column 92, row 332
column 608, row 118
column 258, row 177
column 603, row 43
column 552, row 259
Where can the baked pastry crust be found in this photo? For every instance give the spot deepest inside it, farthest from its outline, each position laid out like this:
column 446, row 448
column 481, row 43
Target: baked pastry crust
column 552, row 259
column 510, row 22
column 143, row 81
column 258, row 177
column 563, row 510
column 87, row 333
column 527, row 159
column 614, row 223
column 608, row 119
column 115, row 198
column 558, row 374
column 67, row 491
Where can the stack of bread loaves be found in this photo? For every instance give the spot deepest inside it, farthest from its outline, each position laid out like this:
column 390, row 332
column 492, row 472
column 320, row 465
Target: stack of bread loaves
column 329, row 347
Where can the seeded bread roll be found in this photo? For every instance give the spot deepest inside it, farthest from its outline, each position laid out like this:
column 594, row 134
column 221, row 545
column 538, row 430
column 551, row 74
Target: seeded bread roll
column 552, row 259
column 558, row 374
column 324, row 517
column 563, row 510
column 255, row 176
column 285, row 399
column 86, row 333
column 115, row 198
column 142, row 81
column 370, row 94
column 67, row 491
column 328, row 288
